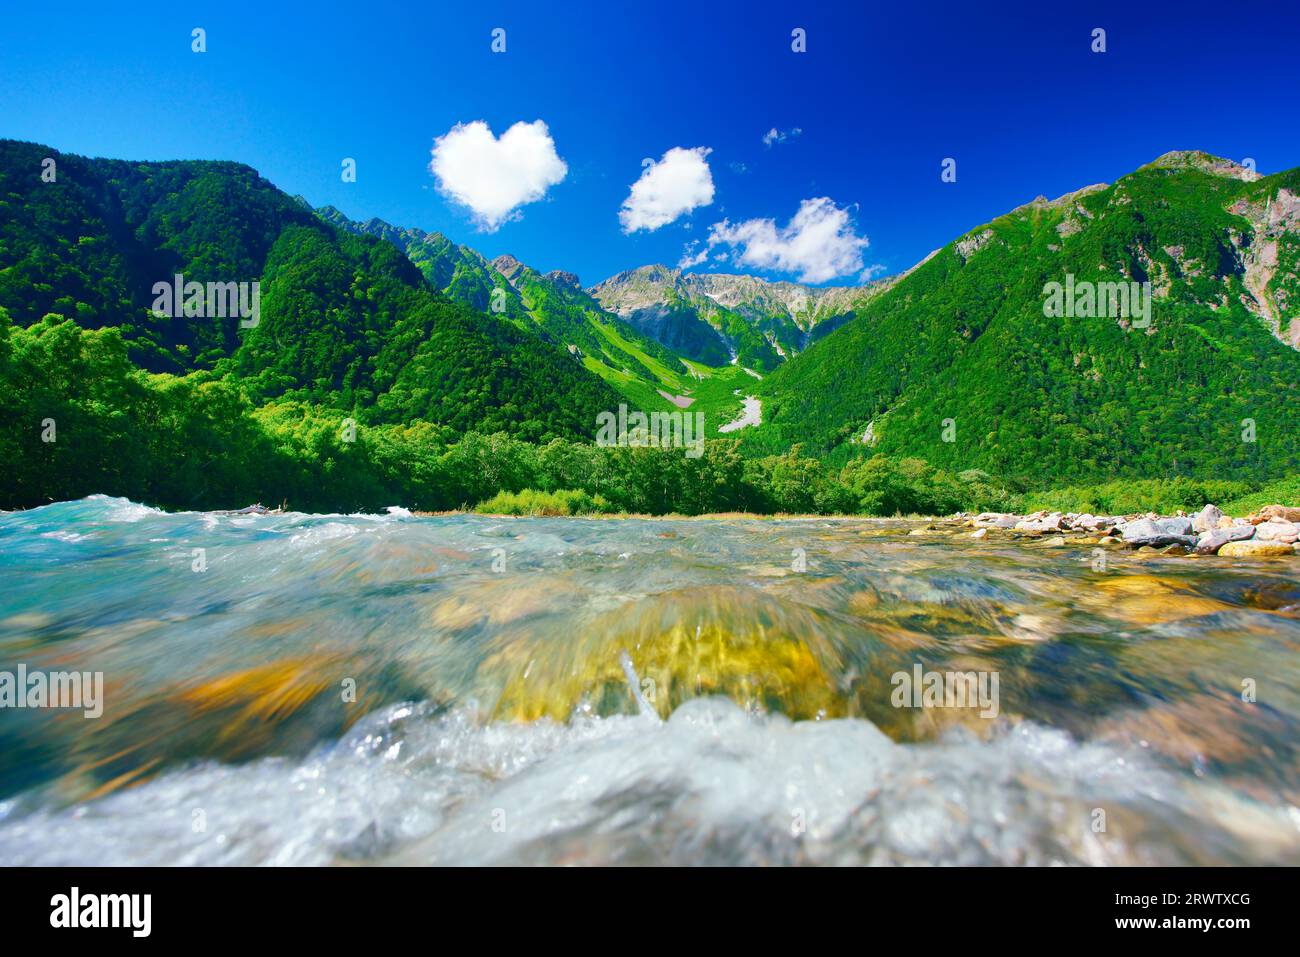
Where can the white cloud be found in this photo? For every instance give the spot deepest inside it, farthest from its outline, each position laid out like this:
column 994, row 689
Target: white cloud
column 818, row 243
column 672, row 187
column 692, row 258
column 493, row 176
column 777, row 136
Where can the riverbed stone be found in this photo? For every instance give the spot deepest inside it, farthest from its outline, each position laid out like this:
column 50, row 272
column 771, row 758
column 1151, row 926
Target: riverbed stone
column 1159, row 532
column 1253, row 548
column 1046, row 523
column 996, row 519
column 1284, row 513
column 1095, row 523
column 1210, row 542
column 1207, row 519
column 1275, row 531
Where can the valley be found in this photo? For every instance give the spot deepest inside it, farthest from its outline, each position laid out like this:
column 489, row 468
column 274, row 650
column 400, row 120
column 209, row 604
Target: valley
column 957, row 379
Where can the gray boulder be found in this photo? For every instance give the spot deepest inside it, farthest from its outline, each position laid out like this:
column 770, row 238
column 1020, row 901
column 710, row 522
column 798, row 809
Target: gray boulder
column 1210, row 542
column 1277, row 531
column 1175, row 526
column 996, row 520
column 1159, row 532
column 1207, row 519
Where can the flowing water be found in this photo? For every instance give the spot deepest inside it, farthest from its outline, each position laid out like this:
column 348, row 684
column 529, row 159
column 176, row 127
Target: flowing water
column 323, row 689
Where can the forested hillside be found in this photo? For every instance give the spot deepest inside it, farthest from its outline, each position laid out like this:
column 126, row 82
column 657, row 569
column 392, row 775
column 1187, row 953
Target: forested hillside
column 551, row 306
column 958, row 364
column 345, row 321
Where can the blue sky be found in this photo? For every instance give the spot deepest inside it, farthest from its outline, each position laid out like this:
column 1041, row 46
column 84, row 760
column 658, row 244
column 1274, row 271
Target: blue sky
column 882, row 95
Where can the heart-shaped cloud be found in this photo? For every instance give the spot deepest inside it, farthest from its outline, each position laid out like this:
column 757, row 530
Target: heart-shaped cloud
column 491, row 176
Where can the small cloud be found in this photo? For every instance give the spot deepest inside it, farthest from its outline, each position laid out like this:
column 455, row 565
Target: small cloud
column 492, row 177
column 678, row 183
column 690, row 257
column 872, row 271
column 818, row 243
column 739, row 169
column 774, row 136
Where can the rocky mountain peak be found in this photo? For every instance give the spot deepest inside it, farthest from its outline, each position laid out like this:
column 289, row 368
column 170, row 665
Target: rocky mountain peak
column 507, row 265
column 564, row 278
column 1206, row 162
column 653, row 273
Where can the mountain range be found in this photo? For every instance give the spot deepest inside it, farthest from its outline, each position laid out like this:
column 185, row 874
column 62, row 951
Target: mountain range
column 716, row 318
column 711, row 318
column 959, row 361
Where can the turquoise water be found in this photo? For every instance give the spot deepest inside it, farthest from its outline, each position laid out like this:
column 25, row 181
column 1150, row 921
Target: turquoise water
column 465, row 689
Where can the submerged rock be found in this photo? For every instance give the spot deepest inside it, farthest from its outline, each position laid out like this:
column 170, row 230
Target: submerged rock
column 1254, row 548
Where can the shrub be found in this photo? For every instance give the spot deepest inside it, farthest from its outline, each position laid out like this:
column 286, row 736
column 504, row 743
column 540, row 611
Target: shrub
column 534, row 503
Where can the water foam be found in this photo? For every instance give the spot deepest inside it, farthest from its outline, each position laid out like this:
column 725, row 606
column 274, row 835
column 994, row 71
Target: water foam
column 710, row 785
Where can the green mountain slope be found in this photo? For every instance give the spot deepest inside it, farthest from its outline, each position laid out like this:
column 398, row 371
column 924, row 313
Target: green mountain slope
column 91, row 244
column 555, row 308
column 958, row 364
column 345, row 320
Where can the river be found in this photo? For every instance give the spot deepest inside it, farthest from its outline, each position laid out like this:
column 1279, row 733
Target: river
column 324, row 689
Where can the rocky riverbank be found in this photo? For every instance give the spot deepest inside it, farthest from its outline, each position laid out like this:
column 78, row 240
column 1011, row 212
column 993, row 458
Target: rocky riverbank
column 1272, row 532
